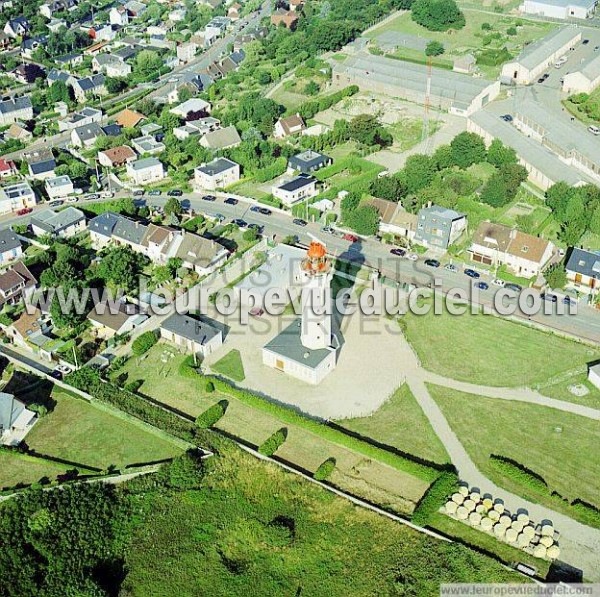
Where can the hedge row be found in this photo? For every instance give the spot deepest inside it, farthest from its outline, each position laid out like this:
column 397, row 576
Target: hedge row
column 88, row 380
column 292, row 417
column 312, row 107
column 211, row 415
column 325, row 470
column 273, row 443
column 144, row 343
column 435, row 497
column 519, row 473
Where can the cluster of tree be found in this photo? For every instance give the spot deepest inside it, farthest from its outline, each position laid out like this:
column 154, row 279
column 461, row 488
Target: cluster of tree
column 120, row 268
column 437, row 15
column 575, row 209
column 309, row 109
column 71, row 166
column 367, row 130
column 363, row 219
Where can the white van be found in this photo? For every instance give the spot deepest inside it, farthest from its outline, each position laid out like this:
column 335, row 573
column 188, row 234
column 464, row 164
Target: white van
column 594, row 129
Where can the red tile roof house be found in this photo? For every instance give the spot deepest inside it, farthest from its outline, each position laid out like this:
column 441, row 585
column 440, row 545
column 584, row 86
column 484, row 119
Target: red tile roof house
column 7, row 168
column 117, row 156
column 16, row 283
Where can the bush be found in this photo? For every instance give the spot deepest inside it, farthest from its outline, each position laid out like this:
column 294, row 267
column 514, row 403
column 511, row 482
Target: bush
column 212, row 415
column 273, row 443
column 188, row 367
column 437, row 15
column 435, row 497
column 519, row 473
column 325, row 469
column 209, row 388
column 184, row 472
column 134, row 386
column 144, row 343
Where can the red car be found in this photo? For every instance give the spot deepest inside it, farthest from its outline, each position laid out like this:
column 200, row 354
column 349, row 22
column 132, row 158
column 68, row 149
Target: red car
column 24, row 211
column 351, row 237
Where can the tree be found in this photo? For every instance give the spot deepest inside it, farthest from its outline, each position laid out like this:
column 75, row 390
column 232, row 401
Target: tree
column 350, row 201
column 418, row 172
column 392, row 188
column 249, row 235
column 437, row 15
column 312, row 88
column 173, row 206
column 143, row 343
column 494, row 192
column 556, row 276
column 59, row 92
column 512, row 175
column 499, row 154
column 147, row 63
column 434, row 48
column 367, row 130
column 120, row 266
column 363, row 220
column 115, row 84
column 467, row 149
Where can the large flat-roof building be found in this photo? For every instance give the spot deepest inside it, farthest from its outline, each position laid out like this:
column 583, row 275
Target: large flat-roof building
column 559, row 9
column 458, row 93
column 584, row 79
column 538, row 56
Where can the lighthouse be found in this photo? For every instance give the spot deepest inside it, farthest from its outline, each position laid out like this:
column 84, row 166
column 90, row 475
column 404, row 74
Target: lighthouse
column 315, row 276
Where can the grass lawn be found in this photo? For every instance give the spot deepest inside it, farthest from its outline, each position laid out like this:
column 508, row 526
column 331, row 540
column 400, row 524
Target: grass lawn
column 81, row 433
column 255, row 529
column 16, row 469
column 557, row 445
column 231, row 366
column 401, row 423
column 490, row 350
column 560, row 391
column 361, row 475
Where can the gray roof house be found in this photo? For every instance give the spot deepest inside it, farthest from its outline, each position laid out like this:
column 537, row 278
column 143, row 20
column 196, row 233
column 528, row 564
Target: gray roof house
column 15, row 419
column 129, row 232
column 19, row 108
column 86, row 135
column 10, row 246
column 193, row 335
column 221, row 138
column 583, row 270
column 438, row 227
column 309, row 161
column 63, row 223
column 104, row 224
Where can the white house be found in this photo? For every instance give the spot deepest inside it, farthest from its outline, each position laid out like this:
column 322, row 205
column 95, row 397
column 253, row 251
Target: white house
column 289, row 126
column 146, row 171
column 65, row 223
column 192, row 105
column 559, row 9
column 10, row 246
column 186, row 51
column 15, row 420
column 584, row 79
column 583, row 271
column 197, row 336
column 219, row 173
column 59, row 186
column 525, row 255
column 148, row 145
column 119, row 15
column 298, row 189
column 540, row 55
column 17, row 27
column 13, row 109
column 16, row 196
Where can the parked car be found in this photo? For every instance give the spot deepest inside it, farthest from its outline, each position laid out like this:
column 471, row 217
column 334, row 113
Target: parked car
column 239, row 222
column 24, row 211
column 432, row 263
column 498, row 282
column 472, row 273
column 350, row 237
column 549, row 297
column 451, row 268
column 513, row 287
column 482, row 285
column 155, row 193
column 585, row 42
column 412, row 257
column 255, row 209
column 231, row 201
column 265, row 211
column 175, row 193
column 56, row 203
column 594, row 129
column 506, row 117
column 219, row 217
column 72, row 199
column 209, row 198
column 259, row 229
column 398, row 252
column 299, row 222
column 92, row 196
column 328, row 230
column 567, row 300
column 138, row 193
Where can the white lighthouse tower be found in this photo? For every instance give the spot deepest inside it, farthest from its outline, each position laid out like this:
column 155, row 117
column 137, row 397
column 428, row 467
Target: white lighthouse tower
column 315, row 275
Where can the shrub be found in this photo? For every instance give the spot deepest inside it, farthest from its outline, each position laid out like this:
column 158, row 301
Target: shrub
column 144, row 343
column 212, row 415
column 184, row 472
column 325, row 469
column 519, row 473
column 437, row 15
column 435, row 497
column 209, row 388
column 273, row 443
column 188, row 367
column 134, row 386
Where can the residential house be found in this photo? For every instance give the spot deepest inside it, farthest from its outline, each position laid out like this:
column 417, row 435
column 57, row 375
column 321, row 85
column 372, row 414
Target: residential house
column 291, row 125
column 16, row 196
column 69, row 60
column 55, row 25
column 178, row 15
column 193, row 105
column 234, row 11
column 84, row 117
column 18, row 132
column 15, row 420
column 439, row 227
column 18, row 27
column 523, row 254
column 41, row 164
column 287, row 18
column 196, row 127
column 158, row 243
column 116, row 156
column 295, row 190
column 135, row 8
column 89, row 86
column 218, row 174
column 64, row 224
column 101, row 229
column 28, row 73
column 148, row 145
column 101, row 61
column 102, row 32
column 194, row 335
column 199, row 254
column 7, row 168
column 192, row 82
column 30, row 45
column 118, row 69
column 153, row 129
column 308, row 161
column 146, row 171
column 55, row 75
column 60, row 186
column 49, row 9
column 130, row 233
column 221, row 138
column 95, row 48
column 85, row 136
column 583, row 271
column 27, row 327
column 16, row 108
column 394, row 220
column 114, row 318
column 215, row 28
column 129, row 119
column 118, row 15
column 10, row 246
column 186, row 51
column 16, row 283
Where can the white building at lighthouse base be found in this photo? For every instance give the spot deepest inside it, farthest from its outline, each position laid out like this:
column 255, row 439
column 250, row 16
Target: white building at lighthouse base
column 286, row 353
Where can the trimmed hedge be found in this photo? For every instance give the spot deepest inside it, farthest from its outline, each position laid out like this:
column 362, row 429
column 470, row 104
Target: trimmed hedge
column 88, row 380
column 435, row 497
column 211, row 415
column 308, row 109
column 519, row 473
column 292, row 417
column 325, row 469
column 144, row 343
column 273, row 443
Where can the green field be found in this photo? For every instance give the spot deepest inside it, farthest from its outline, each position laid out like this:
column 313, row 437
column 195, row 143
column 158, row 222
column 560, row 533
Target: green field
column 560, row 391
column 231, row 366
column 559, row 446
column 401, row 423
column 490, row 350
column 254, row 529
column 82, row 434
